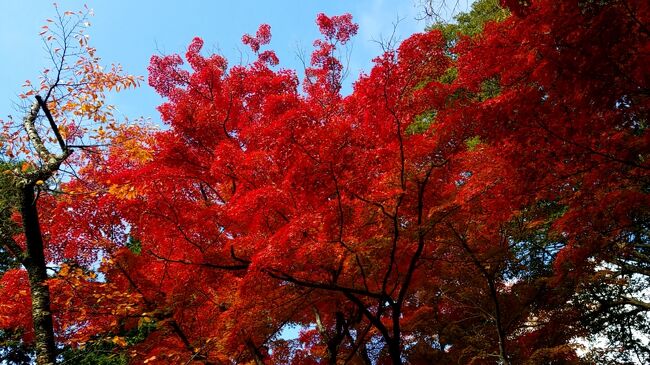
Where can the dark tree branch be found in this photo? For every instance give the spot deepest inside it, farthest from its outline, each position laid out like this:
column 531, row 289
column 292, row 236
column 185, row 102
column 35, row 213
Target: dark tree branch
column 53, row 125
column 210, row 265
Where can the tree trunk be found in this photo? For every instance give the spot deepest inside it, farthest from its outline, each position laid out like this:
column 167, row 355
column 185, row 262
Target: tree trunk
column 37, row 271
column 258, row 357
column 363, row 353
column 395, row 351
column 503, row 355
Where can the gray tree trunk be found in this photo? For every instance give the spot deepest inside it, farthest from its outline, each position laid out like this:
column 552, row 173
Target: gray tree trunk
column 34, row 263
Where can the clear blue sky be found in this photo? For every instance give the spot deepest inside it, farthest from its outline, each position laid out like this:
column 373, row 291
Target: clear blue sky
column 129, row 32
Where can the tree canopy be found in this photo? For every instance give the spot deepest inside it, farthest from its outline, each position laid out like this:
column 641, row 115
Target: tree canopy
column 481, row 197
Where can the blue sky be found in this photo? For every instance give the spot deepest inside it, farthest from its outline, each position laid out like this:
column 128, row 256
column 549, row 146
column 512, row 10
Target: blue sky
column 129, row 32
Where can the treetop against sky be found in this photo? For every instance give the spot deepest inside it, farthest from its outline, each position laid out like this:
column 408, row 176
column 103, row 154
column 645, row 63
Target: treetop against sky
column 129, row 32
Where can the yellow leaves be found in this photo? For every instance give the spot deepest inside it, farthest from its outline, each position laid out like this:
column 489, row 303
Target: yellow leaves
column 125, row 192
column 101, row 133
column 63, row 131
column 144, row 320
column 75, row 276
column 119, row 341
column 138, row 152
column 40, row 182
column 133, row 142
column 150, row 359
column 65, row 270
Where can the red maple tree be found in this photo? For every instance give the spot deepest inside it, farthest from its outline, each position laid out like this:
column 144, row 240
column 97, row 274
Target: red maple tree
column 458, row 206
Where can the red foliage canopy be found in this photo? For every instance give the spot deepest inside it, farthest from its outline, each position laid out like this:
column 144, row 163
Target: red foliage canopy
column 399, row 223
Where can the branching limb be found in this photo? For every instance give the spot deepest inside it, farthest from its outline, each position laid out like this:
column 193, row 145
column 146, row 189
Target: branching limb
column 53, row 125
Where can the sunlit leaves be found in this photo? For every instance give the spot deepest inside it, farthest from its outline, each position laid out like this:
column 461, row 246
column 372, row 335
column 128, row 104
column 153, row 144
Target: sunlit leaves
column 74, row 86
column 449, row 207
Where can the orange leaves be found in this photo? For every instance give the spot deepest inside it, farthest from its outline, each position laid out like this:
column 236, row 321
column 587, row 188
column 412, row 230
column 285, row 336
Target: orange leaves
column 89, row 305
column 134, row 143
column 125, row 192
column 75, row 85
column 119, row 341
